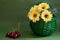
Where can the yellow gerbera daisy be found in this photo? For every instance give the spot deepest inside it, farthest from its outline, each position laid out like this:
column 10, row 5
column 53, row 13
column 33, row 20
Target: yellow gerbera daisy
column 46, row 16
column 33, row 14
column 43, row 6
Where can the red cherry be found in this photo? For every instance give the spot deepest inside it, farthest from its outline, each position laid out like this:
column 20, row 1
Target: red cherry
column 15, row 36
column 18, row 34
column 7, row 34
column 11, row 35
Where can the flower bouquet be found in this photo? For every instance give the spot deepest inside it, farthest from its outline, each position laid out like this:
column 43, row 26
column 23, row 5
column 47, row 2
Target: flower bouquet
column 42, row 19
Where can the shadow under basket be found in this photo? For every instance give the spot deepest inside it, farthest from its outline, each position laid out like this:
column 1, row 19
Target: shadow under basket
column 42, row 28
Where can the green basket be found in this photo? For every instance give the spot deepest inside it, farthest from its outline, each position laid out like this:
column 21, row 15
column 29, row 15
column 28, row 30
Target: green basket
column 44, row 29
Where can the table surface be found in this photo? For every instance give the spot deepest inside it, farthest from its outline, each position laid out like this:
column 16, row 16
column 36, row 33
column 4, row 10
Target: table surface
column 31, row 36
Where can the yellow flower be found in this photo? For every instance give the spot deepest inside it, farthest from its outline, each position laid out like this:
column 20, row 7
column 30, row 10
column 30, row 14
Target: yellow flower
column 33, row 14
column 46, row 16
column 43, row 6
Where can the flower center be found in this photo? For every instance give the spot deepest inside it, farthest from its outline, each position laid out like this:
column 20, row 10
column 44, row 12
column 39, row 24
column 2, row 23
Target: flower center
column 43, row 7
column 46, row 16
column 35, row 15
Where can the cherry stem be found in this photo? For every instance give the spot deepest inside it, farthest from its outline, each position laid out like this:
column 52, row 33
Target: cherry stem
column 18, row 26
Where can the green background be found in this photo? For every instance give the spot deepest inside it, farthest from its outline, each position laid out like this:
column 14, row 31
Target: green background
column 14, row 11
